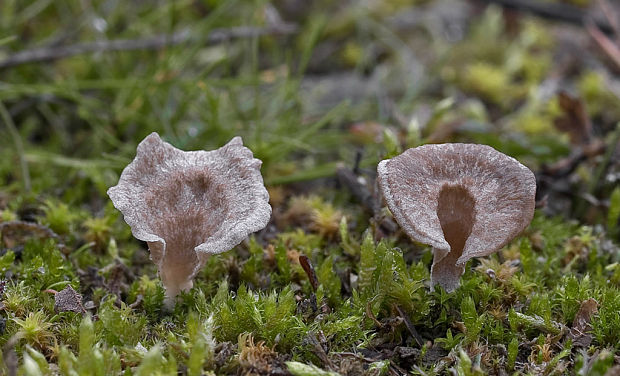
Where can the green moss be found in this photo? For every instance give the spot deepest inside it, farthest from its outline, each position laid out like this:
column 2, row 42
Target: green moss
column 269, row 316
column 488, row 81
column 120, row 326
column 613, row 215
column 59, row 217
column 598, row 98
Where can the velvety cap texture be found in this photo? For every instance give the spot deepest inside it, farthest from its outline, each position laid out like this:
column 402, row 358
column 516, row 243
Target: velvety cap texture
column 465, row 200
column 188, row 205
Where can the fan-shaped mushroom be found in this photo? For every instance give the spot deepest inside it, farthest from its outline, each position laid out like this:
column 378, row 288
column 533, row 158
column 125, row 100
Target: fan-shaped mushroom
column 189, row 205
column 465, row 200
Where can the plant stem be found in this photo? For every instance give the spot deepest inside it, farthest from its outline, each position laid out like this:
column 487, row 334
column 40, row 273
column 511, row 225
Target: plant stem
column 19, row 146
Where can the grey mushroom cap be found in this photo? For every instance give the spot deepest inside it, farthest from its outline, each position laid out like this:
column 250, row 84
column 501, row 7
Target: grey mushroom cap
column 464, row 200
column 189, row 205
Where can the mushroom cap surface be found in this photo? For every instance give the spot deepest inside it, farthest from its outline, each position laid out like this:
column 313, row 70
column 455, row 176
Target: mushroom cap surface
column 452, row 196
column 188, row 205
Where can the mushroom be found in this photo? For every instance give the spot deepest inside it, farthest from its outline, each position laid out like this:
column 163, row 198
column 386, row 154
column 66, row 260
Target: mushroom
column 189, row 205
column 464, row 200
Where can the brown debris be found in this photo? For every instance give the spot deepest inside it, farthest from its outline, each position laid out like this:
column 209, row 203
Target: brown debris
column 223, row 352
column 574, row 120
column 14, row 233
column 118, row 279
column 414, row 333
column 318, row 345
column 257, row 359
column 580, row 332
column 566, row 166
column 305, row 263
column 68, row 300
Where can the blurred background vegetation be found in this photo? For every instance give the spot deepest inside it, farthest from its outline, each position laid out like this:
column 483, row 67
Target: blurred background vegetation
column 326, row 81
column 313, row 87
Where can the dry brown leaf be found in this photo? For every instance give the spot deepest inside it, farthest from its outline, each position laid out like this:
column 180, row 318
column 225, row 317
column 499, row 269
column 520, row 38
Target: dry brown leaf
column 580, row 332
column 68, row 300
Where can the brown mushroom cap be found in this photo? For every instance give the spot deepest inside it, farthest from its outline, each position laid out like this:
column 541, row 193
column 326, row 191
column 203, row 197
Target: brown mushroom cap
column 189, row 205
column 465, row 200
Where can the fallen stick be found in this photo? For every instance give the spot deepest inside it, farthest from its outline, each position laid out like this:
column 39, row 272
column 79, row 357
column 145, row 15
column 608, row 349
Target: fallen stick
column 50, row 53
column 349, row 179
column 553, row 11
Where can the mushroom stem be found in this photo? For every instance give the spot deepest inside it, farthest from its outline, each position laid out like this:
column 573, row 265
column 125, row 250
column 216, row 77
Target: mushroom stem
column 177, row 277
column 171, row 294
column 456, row 213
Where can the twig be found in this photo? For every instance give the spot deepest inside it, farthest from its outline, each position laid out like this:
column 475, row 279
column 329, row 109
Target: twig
column 611, row 18
column 566, row 166
column 17, row 141
column 157, row 42
column 604, row 43
column 414, row 333
column 318, row 350
column 372, row 316
column 552, row 11
column 348, row 178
